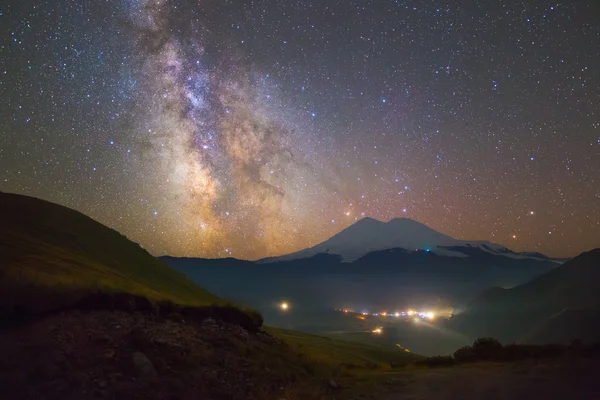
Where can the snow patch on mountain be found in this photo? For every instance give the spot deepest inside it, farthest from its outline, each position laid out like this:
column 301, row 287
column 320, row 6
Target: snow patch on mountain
column 368, row 235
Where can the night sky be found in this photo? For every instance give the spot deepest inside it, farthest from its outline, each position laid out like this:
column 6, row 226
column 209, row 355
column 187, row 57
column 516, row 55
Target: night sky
column 256, row 128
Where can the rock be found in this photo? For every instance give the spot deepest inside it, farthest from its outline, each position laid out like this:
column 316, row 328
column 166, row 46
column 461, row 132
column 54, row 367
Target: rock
column 140, row 339
column 333, row 384
column 176, row 317
column 101, row 339
column 109, row 353
column 47, row 371
column 116, row 376
column 143, row 366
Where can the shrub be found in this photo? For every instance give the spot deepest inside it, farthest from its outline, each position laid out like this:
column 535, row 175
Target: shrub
column 515, row 352
column 487, row 349
column 255, row 316
column 464, row 354
column 437, row 361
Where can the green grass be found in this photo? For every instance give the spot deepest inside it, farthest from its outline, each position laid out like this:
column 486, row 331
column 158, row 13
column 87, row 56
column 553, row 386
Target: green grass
column 350, row 355
column 52, row 249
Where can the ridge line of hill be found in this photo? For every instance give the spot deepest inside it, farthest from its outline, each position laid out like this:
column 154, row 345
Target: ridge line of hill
column 250, row 320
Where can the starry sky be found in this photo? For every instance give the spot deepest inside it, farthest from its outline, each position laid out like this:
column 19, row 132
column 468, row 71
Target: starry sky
column 257, row 128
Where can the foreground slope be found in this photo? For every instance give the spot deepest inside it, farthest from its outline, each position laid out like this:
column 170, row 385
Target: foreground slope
column 547, row 380
column 120, row 355
column 560, row 305
column 51, row 254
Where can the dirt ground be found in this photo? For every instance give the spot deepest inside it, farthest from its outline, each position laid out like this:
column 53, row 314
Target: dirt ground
column 547, row 380
column 120, row 355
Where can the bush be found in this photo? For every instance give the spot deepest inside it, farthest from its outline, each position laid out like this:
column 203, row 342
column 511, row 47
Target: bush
column 490, row 349
column 464, row 354
column 487, row 349
column 437, row 361
column 515, row 352
column 483, row 349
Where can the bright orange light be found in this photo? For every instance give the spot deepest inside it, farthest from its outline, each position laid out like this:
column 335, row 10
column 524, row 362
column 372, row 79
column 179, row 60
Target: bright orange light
column 284, row 306
column 384, row 314
column 430, row 315
column 377, row 331
column 410, row 312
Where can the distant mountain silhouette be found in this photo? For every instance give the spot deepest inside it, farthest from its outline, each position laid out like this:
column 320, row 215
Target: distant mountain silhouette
column 368, row 235
column 379, row 278
column 557, row 306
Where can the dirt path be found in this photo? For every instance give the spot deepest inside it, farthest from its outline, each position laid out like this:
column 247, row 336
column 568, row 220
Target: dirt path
column 544, row 380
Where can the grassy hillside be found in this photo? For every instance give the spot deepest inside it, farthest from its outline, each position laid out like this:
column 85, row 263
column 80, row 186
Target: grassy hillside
column 50, row 253
column 333, row 352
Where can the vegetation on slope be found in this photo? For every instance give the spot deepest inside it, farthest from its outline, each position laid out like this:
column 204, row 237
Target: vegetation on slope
column 51, row 255
column 348, row 355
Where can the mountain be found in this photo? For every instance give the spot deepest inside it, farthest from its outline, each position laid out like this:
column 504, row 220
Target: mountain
column 557, row 306
column 50, row 254
column 371, row 265
column 369, row 235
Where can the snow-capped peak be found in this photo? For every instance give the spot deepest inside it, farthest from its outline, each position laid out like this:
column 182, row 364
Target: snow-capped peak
column 368, row 235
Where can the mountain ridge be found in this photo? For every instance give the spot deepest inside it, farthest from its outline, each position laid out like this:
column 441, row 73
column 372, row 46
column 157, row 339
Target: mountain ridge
column 369, row 234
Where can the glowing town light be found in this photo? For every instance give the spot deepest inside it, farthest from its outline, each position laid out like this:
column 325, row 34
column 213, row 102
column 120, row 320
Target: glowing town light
column 377, row 331
column 430, row 315
column 397, row 314
column 284, row 306
column 410, row 312
column 384, row 314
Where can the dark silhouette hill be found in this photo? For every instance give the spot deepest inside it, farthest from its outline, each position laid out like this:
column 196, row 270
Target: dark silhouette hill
column 557, row 306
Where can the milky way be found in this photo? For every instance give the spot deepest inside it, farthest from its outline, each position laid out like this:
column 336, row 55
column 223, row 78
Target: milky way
column 251, row 129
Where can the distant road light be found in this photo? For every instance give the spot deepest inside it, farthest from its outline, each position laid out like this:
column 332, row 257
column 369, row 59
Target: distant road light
column 284, row 306
column 377, row 331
